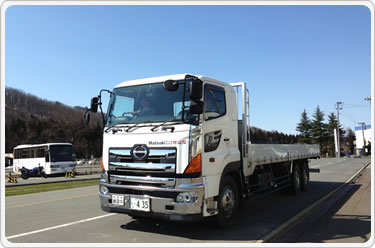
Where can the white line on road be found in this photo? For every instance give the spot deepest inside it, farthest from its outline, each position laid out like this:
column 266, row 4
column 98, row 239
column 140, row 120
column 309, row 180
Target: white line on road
column 59, row 226
column 315, row 166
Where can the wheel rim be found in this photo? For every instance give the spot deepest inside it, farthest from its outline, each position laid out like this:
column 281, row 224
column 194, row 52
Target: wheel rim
column 228, row 202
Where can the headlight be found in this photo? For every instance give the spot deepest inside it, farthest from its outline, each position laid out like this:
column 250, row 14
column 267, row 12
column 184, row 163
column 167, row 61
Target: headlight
column 103, row 190
column 187, row 197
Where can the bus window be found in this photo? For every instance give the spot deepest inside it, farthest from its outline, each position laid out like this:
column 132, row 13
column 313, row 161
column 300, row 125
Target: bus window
column 61, row 153
column 40, row 152
column 24, row 153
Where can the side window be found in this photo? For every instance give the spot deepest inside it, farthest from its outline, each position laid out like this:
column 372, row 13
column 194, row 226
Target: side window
column 16, row 154
column 40, row 152
column 214, row 102
column 24, row 153
column 33, row 153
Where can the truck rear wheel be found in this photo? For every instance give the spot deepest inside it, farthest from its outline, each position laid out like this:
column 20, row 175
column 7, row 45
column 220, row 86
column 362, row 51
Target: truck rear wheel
column 305, row 178
column 296, row 179
column 227, row 203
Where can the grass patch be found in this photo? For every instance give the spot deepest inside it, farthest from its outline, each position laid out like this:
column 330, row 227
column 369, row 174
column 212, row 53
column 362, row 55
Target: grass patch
column 31, row 189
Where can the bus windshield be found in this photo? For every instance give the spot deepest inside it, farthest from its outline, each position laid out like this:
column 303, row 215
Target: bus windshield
column 148, row 103
column 61, row 153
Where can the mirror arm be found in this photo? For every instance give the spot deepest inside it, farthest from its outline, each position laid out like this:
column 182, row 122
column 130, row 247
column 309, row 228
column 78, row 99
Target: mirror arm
column 100, row 102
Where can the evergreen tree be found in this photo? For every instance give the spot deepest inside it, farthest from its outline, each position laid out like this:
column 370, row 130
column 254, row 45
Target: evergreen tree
column 350, row 138
column 304, row 127
column 319, row 130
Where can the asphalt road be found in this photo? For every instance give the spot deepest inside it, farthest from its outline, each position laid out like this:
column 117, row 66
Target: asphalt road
column 344, row 218
column 74, row 215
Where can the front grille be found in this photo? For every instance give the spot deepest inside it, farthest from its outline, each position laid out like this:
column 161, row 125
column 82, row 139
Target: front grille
column 162, row 156
column 159, row 160
column 152, row 171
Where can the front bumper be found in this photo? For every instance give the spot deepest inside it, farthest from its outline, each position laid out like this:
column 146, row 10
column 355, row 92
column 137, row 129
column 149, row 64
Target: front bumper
column 163, row 202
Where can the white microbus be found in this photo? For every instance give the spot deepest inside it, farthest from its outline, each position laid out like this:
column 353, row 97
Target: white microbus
column 53, row 157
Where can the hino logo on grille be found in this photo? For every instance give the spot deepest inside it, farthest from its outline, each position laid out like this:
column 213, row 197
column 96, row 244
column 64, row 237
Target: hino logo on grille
column 139, row 152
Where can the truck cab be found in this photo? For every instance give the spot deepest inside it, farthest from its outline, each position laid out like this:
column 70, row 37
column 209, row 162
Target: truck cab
column 161, row 159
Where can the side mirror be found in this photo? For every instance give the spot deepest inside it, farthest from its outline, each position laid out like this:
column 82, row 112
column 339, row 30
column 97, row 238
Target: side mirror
column 86, row 117
column 94, row 105
column 196, row 87
column 196, row 107
column 170, row 85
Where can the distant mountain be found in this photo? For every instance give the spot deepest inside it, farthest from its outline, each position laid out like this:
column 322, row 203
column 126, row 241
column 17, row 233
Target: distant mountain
column 32, row 120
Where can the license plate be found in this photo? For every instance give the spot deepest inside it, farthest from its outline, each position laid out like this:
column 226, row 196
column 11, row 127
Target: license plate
column 140, row 203
column 118, row 200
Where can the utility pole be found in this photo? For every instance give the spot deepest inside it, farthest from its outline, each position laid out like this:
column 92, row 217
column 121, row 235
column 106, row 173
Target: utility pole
column 338, row 108
column 363, row 135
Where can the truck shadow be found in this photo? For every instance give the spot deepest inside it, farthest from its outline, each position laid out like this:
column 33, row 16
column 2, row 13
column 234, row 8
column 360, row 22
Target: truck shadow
column 256, row 218
column 326, row 224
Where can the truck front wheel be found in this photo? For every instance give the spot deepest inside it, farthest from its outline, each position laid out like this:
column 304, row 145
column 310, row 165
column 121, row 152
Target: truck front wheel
column 227, row 203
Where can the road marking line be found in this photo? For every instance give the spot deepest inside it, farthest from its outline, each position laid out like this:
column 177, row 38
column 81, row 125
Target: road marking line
column 59, row 226
column 330, row 163
column 48, row 201
column 315, row 166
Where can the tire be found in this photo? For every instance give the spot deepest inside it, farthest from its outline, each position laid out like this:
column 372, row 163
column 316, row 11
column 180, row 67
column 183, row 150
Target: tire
column 305, row 177
column 43, row 174
column 24, row 175
column 296, row 179
column 228, row 203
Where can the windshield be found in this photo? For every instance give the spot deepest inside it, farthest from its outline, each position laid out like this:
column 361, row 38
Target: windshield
column 149, row 103
column 61, row 153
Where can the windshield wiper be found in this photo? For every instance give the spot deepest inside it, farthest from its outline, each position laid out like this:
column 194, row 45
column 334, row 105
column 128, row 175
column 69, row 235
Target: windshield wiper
column 114, row 125
column 137, row 125
column 163, row 123
column 131, row 127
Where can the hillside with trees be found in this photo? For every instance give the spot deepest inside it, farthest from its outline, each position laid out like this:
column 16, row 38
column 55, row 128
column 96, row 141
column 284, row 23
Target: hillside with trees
column 31, row 120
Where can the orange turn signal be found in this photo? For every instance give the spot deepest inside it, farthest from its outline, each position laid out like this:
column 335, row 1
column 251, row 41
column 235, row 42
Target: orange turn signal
column 194, row 166
column 101, row 164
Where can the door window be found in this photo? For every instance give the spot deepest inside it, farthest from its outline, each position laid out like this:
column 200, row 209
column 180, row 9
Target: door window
column 214, row 102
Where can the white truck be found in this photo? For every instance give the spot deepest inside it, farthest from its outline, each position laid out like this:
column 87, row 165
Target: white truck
column 178, row 147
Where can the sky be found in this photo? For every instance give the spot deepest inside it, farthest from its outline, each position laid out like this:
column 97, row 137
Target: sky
column 291, row 57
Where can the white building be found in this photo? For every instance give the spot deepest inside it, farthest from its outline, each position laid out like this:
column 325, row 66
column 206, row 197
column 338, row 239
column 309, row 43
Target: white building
column 359, row 133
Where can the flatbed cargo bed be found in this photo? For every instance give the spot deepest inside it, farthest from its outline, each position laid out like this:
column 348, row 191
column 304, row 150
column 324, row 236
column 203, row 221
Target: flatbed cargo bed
column 275, row 153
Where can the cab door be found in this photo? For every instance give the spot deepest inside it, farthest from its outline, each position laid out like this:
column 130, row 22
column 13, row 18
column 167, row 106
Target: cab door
column 219, row 143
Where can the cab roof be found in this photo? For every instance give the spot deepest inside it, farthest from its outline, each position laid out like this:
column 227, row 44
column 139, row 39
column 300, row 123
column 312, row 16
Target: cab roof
column 164, row 78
